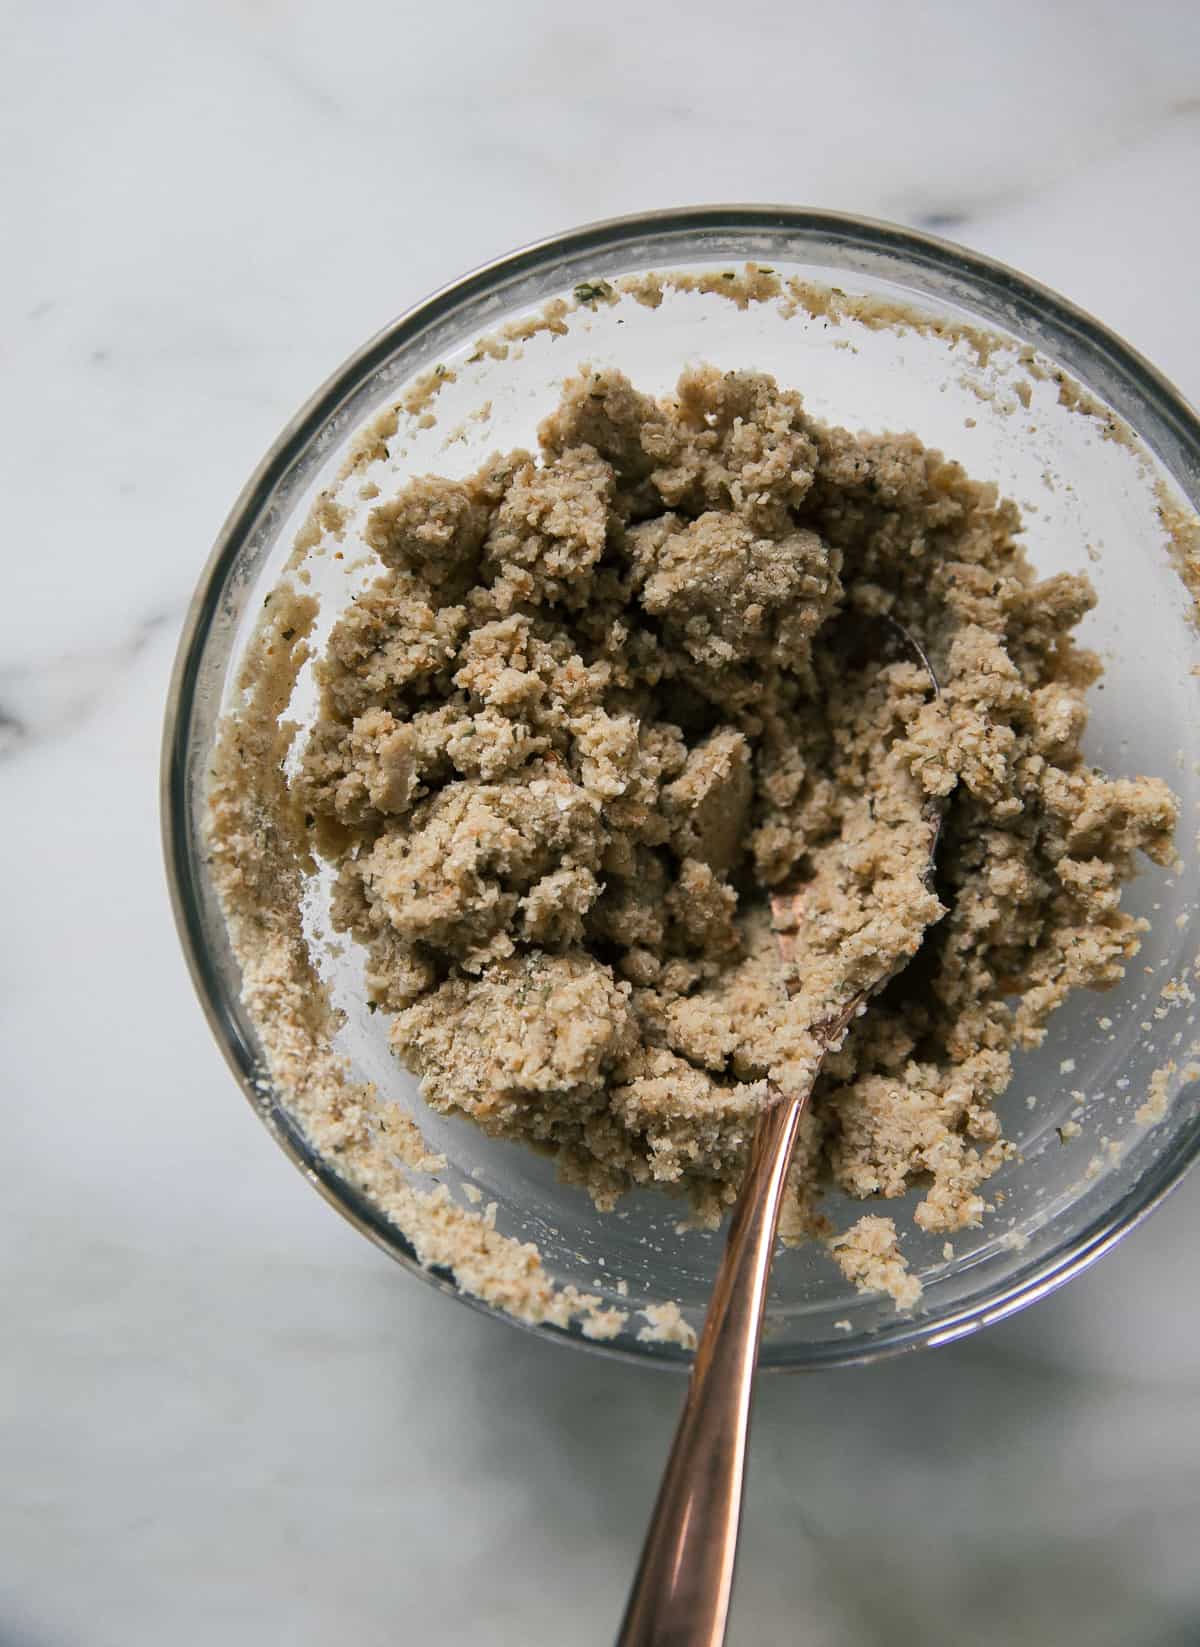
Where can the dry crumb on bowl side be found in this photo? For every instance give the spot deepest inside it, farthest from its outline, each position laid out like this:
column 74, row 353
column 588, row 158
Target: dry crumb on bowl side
column 665, row 1325
column 869, row 1255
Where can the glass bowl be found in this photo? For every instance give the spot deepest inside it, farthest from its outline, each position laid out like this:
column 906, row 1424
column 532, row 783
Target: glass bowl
column 884, row 328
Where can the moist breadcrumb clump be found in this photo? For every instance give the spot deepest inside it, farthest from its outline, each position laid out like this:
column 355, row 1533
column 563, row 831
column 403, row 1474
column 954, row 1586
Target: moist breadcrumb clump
column 601, row 701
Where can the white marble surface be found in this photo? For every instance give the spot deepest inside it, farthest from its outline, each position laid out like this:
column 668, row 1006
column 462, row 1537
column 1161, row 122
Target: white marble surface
column 222, row 1414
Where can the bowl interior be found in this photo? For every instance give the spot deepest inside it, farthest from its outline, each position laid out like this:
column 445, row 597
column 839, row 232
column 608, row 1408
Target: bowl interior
column 1090, row 495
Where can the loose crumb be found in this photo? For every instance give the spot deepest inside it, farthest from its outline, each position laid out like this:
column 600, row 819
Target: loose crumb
column 1157, row 1101
column 604, row 1324
column 869, row 1255
column 666, row 1326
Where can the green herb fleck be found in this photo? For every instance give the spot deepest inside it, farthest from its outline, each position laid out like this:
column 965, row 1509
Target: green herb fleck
column 588, row 291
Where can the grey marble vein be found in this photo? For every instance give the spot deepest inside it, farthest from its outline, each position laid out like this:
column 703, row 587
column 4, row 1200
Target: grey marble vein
column 60, row 692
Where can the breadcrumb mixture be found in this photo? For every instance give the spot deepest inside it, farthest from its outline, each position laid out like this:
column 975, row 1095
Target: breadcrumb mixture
column 603, row 700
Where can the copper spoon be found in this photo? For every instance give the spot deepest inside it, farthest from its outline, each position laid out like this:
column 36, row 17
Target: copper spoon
column 680, row 1596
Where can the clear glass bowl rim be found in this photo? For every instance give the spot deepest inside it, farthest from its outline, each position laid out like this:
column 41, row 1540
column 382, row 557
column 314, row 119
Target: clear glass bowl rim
column 992, row 292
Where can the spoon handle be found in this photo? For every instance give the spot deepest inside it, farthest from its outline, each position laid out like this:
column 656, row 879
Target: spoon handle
column 680, row 1597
